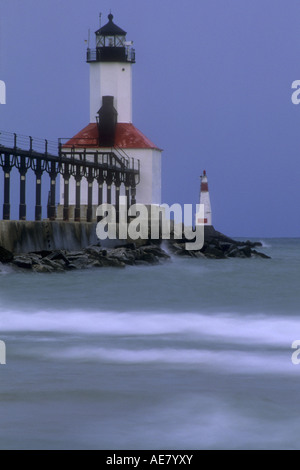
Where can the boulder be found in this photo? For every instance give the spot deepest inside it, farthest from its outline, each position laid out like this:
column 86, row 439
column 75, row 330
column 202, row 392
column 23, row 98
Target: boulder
column 123, row 254
column 36, row 259
column 23, row 261
column 5, row 255
column 148, row 256
column 235, row 252
column 58, row 255
column 42, row 268
column 216, row 246
column 79, row 259
column 155, row 250
column 246, row 250
column 225, row 246
column 140, row 262
column 95, row 251
column 55, row 265
column 71, row 267
column 258, row 254
column 128, row 246
column 112, row 262
column 212, row 251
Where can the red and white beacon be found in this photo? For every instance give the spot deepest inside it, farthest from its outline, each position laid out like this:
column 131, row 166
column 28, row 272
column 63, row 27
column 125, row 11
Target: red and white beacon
column 205, row 200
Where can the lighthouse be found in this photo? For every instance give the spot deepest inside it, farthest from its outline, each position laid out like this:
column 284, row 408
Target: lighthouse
column 110, row 127
column 205, row 200
column 111, row 71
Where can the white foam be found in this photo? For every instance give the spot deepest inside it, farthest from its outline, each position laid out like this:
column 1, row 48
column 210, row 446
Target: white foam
column 233, row 328
column 232, row 361
column 265, row 244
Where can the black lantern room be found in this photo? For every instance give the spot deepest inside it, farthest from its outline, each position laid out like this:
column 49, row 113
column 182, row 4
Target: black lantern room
column 111, row 45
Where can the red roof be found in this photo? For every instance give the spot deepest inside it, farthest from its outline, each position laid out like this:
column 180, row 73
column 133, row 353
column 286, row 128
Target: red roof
column 127, row 137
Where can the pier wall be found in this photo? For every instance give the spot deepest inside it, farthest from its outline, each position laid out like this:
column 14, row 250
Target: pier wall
column 27, row 236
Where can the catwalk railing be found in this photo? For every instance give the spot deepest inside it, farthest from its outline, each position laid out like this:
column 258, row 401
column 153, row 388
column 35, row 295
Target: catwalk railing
column 111, row 54
column 108, row 169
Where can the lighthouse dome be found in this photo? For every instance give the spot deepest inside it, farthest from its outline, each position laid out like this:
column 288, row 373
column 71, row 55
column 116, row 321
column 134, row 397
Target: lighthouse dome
column 110, row 29
column 111, row 45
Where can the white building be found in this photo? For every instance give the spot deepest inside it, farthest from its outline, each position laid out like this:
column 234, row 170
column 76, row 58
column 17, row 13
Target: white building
column 110, row 128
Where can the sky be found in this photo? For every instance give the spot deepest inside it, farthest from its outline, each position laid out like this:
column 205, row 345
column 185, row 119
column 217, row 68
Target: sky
column 211, row 87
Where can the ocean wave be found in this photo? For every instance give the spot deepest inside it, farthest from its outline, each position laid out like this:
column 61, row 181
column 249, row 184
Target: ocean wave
column 265, row 244
column 4, row 269
column 231, row 328
column 230, row 361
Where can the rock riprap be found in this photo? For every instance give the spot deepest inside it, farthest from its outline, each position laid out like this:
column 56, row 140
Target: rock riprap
column 92, row 257
column 216, row 246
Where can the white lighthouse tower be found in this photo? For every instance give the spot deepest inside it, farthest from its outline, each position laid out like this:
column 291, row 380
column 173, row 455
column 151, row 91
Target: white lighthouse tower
column 205, row 200
column 111, row 71
column 110, row 128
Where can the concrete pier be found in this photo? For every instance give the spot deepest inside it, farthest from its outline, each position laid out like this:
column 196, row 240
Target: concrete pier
column 25, row 236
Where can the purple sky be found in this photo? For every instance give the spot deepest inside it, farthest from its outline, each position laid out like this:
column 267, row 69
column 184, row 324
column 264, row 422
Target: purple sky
column 211, row 86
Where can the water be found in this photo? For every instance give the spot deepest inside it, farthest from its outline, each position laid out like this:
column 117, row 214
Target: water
column 192, row 354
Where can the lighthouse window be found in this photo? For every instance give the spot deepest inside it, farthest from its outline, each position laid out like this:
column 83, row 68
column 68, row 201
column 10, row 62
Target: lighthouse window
column 110, row 41
column 120, row 41
column 100, row 41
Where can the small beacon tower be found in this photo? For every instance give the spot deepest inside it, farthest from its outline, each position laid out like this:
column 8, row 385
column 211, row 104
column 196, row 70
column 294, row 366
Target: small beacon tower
column 205, row 200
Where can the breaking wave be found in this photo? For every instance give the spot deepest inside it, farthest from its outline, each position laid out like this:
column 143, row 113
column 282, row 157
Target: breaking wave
column 228, row 343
